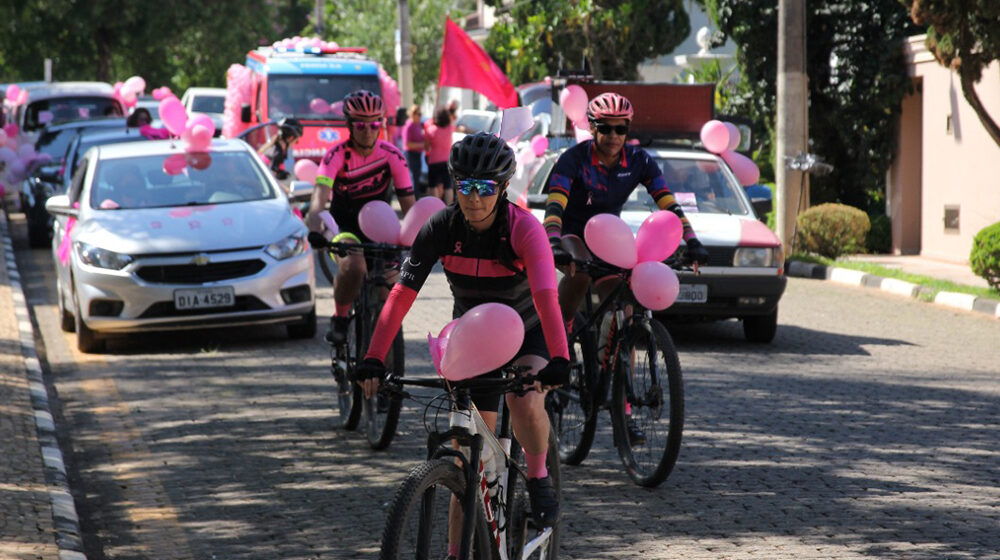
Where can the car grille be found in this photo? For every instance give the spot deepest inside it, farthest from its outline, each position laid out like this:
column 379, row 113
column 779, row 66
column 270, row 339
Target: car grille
column 717, row 256
column 167, row 309
column 198, row 274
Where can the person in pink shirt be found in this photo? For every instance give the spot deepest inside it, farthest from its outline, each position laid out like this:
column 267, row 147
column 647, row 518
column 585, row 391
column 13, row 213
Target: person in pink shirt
column 413, row 145
column 141, row 119
column 352, row 174
column 438, row 137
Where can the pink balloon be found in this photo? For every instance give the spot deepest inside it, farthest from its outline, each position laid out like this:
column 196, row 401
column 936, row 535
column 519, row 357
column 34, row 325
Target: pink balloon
column 573, row 100
column 22, row 97
column 746, row 171
column 734, row 135
column 135, row 84
column 161, row 93
column 539, row 144
column 439, row 344
column 611, row 240
column 11, row 129
column 305, row 170
column 484, row 338
column 202, row 119
column 655, row 285
column 319, row 105
column 332, row 229
column 174, row 115
column 658, row 237
column 418, row 215
column 378, row 222
column 174, row 164
column 715, row 136
column 13, row 91
column 200, row 138
column 337, row 108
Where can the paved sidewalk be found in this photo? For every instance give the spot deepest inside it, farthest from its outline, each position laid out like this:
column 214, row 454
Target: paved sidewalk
column 37, row 515
column 923, row 266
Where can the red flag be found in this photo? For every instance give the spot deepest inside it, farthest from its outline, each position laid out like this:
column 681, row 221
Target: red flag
column 464, row 64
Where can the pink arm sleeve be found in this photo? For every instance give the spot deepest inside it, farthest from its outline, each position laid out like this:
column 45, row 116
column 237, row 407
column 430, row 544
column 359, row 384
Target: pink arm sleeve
column 532, row 244
column 396, row 306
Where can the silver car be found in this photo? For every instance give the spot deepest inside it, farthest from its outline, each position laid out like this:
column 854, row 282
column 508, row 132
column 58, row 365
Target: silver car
column 152, row 238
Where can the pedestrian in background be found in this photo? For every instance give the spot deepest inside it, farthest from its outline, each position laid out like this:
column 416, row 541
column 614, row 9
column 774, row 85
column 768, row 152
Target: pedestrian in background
column 438, row 139
column 413, row 147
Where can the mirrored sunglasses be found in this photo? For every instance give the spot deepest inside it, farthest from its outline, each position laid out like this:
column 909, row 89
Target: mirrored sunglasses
column 361, row 126
column 484, row 187
column 620, row 129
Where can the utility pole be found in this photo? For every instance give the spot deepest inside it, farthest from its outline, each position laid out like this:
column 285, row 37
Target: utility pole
column 405, row 52
column 320, row 17
column 793, row 127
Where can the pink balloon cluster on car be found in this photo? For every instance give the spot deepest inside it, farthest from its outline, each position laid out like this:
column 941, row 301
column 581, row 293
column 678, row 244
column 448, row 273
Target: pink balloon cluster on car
column 654, row 284
column 128, row 92
column 722, row 138
column 15, row 96
column 238, row 91
column 195, row 131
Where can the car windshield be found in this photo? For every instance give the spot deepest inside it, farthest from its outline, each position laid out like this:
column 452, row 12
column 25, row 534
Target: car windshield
column 208, row 104
column 66, row 109
column 191, row 179
column 313, row 97
column 477, row 122
column 699, row 186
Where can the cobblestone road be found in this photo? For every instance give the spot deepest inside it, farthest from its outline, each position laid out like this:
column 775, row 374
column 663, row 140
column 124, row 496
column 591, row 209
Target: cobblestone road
column 868, row 429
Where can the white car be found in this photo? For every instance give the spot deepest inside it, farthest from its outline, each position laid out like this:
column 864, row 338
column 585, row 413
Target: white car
column 744, row 278
column 163, row 240
column 208, row 100
column 61, row 102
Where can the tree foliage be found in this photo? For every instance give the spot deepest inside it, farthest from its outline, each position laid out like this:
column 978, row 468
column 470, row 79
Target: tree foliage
column 605, row 38
column 857, row 80
column 964, row 35
column 373, row 25
column 178, row 43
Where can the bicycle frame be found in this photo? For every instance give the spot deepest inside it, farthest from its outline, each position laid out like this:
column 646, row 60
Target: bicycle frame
column 467, row 428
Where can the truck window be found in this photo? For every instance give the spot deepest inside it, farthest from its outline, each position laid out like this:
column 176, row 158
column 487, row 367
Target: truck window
column 293, row 95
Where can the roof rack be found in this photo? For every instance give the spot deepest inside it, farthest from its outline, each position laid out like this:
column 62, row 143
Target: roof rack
column 300, row 50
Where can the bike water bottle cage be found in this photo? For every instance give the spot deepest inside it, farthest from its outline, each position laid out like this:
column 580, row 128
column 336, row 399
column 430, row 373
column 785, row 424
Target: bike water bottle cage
column 483, row 187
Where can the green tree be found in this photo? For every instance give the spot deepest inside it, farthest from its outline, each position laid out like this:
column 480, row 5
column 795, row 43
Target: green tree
column 964, row 35
column 373, row 25
column 857, row 80
column 605, row 38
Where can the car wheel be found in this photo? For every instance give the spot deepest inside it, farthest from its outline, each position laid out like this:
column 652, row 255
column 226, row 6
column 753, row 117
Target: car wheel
column 761, row 328
column 305, row 329
column 67, row 321
column 87, row 340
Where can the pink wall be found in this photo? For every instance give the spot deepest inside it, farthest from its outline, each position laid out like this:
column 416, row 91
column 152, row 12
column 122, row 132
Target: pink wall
column 960, row 163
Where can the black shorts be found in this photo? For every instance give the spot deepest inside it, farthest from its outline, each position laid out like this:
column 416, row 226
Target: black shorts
column 437, row 174
column 533, row 345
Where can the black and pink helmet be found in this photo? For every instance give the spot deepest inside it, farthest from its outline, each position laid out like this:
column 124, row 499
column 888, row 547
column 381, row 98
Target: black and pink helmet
column 363, row 104
column 609, row 105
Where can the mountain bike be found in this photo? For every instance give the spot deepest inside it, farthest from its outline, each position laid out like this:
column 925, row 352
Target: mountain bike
column 642, row 372
column 379, row 413
column 485, row 474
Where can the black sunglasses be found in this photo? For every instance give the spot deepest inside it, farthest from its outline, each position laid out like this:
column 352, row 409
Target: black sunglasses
column 620, row 129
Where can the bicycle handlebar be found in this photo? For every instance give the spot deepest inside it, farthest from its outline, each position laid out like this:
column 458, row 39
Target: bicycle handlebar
column 393, row 385
column 342, row 249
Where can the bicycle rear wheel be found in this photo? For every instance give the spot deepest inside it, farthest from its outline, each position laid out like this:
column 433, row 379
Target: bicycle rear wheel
column 344, row 359
column 382, row 412
column 648, row 383
column 522, row 530
column 573, row 407
column 327, row 264
column 417, row 524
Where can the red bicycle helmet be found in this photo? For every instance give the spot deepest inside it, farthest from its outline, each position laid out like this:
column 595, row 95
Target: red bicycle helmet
column 609, row 105
column 363, row 104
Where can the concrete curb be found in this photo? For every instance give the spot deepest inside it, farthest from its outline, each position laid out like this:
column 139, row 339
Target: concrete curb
column 965, row 302
column 69, row 537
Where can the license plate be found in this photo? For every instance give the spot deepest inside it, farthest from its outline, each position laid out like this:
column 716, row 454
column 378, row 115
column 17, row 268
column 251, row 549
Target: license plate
column 204, row 298
column 693, row 293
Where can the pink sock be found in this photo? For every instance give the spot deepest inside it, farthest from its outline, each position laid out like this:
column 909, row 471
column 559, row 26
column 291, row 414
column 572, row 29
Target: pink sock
column 536, row 464
column 341, row 309
column 628, row 408
column 453, row 550
column 569, row 325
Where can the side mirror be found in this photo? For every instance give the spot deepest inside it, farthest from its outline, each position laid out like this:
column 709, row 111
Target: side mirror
column 300, row 191
column 400, row 116
column 59, row 205
column 537, row 201
column 245, row 114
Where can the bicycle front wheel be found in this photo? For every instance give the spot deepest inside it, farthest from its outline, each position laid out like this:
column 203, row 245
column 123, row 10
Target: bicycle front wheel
column 382, row 412
column 345, row 358
column 648, row 403
column 573, row 407
column 417, row 525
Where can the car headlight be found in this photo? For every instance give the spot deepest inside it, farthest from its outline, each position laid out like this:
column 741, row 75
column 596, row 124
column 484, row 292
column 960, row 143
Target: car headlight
column 288, row 247
column 757, row 256
column 101, row 258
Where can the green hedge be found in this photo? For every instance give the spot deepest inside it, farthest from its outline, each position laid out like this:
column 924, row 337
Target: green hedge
column 831, row 230
column 985, row 255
